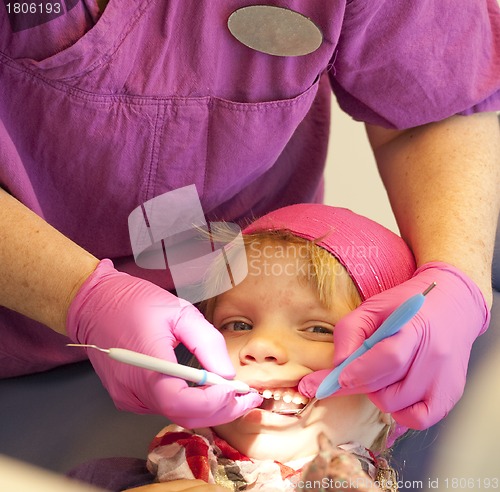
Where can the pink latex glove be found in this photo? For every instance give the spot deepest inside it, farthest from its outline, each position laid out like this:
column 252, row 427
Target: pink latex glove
column 418, row 374
column 114, row 309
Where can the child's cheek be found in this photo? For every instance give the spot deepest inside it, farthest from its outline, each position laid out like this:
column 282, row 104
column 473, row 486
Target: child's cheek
column 233, row 349
column 322, row 359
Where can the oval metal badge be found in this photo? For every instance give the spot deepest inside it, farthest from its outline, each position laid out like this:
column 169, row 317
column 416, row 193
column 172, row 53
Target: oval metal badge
column 275, row 30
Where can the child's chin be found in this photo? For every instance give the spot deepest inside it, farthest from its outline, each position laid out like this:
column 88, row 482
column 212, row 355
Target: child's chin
column 263, row 435
column 284, row 447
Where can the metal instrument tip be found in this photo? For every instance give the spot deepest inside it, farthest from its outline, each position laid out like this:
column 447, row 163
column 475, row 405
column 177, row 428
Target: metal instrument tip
column 83, row 345
column 299, row 411
column 426, row 291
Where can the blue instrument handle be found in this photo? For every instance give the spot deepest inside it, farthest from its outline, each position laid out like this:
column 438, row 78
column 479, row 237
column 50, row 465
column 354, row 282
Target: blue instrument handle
column 389, row 327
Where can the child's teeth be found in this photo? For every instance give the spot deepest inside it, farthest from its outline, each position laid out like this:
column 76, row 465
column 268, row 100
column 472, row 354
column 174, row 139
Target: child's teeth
column 298, row 399
column 267, row 394
column 286, row 395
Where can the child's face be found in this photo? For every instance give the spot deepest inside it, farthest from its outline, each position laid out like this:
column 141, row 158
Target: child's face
column 277, row 331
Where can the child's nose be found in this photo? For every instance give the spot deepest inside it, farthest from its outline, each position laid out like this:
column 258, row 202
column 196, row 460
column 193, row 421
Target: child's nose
column 262, row 349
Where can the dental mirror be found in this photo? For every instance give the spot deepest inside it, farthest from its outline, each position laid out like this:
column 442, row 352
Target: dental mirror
column 275, row 30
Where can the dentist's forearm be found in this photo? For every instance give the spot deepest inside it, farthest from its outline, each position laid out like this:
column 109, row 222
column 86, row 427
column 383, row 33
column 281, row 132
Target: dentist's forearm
column 443, row 181
column 40, row 269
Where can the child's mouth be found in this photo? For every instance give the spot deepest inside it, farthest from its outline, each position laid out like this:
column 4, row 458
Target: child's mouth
column 282, row 399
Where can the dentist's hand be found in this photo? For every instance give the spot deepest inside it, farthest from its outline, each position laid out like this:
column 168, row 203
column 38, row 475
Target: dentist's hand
column 418, row 374
column 114, row 309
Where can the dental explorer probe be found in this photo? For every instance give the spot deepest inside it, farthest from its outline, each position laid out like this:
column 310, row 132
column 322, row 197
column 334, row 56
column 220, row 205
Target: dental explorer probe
column 389, row 327
column 199, row 376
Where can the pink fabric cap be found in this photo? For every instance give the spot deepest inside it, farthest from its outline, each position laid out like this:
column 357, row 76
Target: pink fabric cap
column 375, row 257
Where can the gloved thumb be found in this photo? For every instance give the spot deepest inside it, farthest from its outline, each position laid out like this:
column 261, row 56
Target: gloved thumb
column 309, row 384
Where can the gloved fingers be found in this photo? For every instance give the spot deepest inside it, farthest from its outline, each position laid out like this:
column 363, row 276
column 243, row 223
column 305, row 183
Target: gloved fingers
column 232, row 411
column 200, row 406
column 421, row 415
column 398, row 396
column 309, row 384
column 354, row 328
column 417, row 402
column 414, row 387
column 359, row 376
column 204, row 341
column 383, row 365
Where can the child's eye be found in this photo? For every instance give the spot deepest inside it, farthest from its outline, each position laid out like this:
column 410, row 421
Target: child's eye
column 321, row 330
column 236, row 326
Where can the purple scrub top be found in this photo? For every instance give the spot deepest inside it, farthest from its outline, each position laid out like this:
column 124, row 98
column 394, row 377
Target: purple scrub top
column 102, row 112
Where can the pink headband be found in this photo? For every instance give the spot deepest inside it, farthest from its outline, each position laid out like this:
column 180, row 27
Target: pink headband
column 375, row 258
